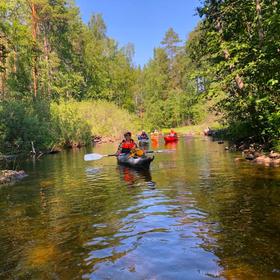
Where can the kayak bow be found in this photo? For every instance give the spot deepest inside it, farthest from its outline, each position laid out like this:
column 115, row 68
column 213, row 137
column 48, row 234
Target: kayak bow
column 143, row 142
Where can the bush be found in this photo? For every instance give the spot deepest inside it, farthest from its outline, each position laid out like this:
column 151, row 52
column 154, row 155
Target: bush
column 276, row 145
column 70, row 127
column 238, row 131
column 107, row 119
column 63, row 123
column 23, row 122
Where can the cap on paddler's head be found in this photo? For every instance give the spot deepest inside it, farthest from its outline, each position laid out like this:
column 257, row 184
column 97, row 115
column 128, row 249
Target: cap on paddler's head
column 128, row 133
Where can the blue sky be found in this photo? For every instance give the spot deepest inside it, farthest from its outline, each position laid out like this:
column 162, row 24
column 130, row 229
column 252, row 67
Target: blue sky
column 142, row 22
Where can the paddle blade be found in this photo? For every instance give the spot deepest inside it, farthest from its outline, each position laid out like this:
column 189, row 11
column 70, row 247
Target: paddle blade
column 90, row 157
column 165, row 151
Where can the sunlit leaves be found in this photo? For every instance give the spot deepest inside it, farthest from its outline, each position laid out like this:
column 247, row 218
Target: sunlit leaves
column 242, row 44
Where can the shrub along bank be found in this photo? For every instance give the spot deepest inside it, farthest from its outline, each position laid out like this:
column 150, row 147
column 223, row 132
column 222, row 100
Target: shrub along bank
column 45, row 125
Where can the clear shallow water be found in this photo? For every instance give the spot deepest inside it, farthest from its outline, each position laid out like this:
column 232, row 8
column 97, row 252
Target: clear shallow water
column 206, row 217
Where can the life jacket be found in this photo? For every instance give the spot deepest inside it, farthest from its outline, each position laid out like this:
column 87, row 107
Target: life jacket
column 144, row 136
column 127, row 146
column 172, row 133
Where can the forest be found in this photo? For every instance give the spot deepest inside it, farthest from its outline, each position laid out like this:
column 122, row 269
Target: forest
column 63, row 81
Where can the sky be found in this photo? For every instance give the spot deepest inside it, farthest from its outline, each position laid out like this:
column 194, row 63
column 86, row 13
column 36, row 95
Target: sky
column 142, row 22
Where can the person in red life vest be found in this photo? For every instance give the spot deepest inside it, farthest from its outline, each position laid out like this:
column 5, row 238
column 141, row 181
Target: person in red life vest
column 127, row 144
column 173, row 133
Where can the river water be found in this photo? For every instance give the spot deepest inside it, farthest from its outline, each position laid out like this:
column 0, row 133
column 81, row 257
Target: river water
column 198, row 214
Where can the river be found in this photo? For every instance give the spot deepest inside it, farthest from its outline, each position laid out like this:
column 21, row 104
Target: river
column 198, row 214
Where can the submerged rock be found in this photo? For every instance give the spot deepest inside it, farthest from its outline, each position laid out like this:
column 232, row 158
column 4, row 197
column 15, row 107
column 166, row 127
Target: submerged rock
column 274, row 155
column 268, row 161
column 11, row 176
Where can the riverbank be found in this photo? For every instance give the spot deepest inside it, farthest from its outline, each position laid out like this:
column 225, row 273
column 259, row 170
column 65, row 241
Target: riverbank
column 258, row 156
column 257, row 153
column 104, row 139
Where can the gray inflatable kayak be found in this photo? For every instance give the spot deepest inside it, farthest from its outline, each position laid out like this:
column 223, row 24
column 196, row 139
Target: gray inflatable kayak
column 139, row 162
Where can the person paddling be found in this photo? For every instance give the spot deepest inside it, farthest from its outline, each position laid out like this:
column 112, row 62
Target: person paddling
column 143, row 135
column 127, row 144
column 173, row 133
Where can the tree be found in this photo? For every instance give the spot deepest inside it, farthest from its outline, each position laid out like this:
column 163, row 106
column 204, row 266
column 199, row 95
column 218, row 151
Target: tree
column 170, row 43
column 97, row 27
column 240, row 45
column 168, row 88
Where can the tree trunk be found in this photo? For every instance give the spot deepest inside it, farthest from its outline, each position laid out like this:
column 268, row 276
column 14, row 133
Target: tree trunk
column 46, row 52
column 2, row 85
column 15, row 61
column 2, row 68
column 35, row 59
column 259, row 19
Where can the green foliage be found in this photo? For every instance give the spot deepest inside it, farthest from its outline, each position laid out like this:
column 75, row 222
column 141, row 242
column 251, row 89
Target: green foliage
column 69, row 125
column 276, row 145
column 169, row 92
column 238, row 131
column 63, row 123
column 106, row 119
column 49, row 56
column 170, row 43
column 66, row 58
column 22, row 123
column 108, row 71
column 239, row 44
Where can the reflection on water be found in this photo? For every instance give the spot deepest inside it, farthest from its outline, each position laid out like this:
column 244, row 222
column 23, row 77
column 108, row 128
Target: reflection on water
column 132, row 176
column 155, row 142
column 171, row 145
column 208, row 217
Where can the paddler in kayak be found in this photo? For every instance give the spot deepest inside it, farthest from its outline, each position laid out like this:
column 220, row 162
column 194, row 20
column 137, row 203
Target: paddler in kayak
column 129, row 154
column 171, row 137
column 173, row 133
column 143, row 136
column 127, row 144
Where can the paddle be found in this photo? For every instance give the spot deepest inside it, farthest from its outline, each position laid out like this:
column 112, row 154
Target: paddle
column 90, row 157
column 159, row 151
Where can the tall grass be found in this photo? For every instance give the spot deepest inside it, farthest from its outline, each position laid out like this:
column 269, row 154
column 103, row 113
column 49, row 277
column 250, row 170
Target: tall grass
column 76, row 120
column 107, row 119
column 69, row 126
